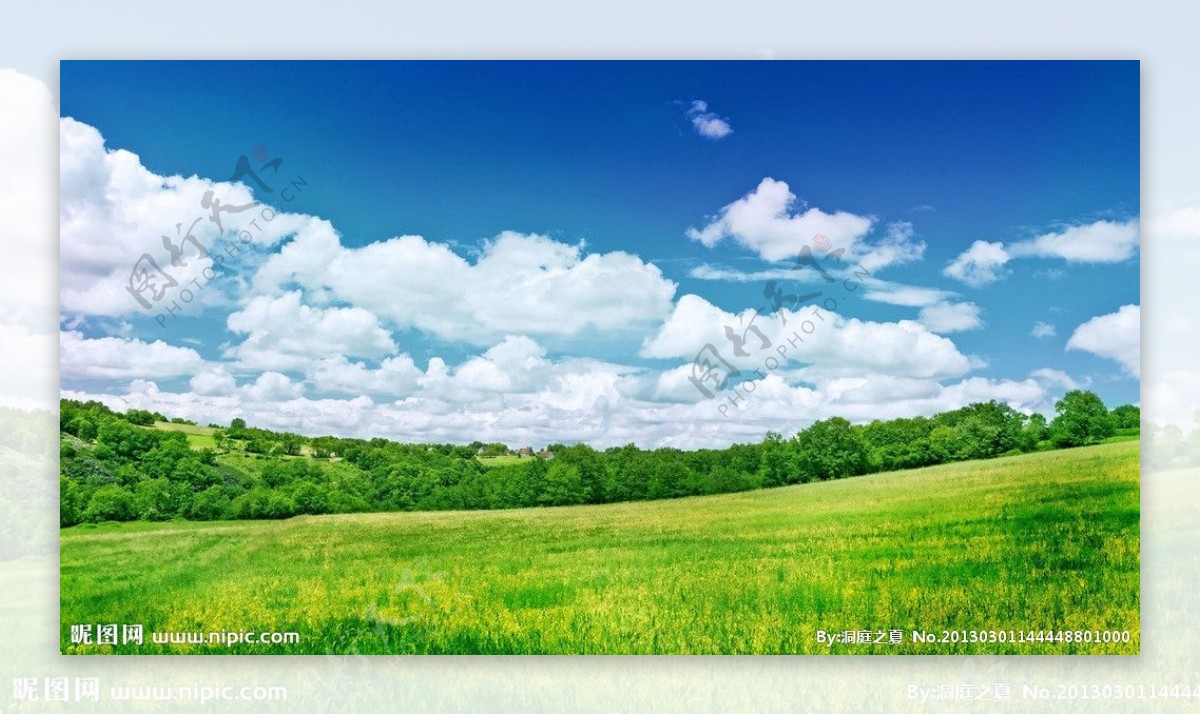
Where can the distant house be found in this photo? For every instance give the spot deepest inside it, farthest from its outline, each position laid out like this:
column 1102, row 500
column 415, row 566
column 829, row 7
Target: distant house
column 546, row 454
column 525, row 452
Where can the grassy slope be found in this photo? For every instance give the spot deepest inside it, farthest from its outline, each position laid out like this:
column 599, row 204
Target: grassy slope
column 198, row 437
column 502, row 461
column 202, row 438
column 1045, row 540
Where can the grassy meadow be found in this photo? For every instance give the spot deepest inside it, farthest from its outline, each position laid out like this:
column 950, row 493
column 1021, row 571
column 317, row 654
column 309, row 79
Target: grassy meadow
column 1047, row 540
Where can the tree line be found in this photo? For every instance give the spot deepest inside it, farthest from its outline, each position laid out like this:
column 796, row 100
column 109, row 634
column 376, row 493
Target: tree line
column 118, row 467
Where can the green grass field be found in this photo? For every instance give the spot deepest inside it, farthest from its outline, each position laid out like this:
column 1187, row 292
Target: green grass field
column 501, row 461
column 202, row 438
column 198, row 437
column 1048, row 540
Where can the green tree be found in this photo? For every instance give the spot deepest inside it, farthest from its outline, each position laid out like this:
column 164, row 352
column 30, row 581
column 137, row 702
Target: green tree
column 155, row 500
column 563, row 485
column 84, row 428
column 1035, row 431
column 311, row 498
column 1124, row 417
column 110, row 503
column 291, row 445
column 262, row 504
column 143, row 418
column 69, row 511
column 1081, row 418
column 830, row 449
column 209, row 505
column 774, row 461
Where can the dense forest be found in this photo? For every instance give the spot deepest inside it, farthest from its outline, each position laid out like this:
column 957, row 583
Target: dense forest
column 142, row 465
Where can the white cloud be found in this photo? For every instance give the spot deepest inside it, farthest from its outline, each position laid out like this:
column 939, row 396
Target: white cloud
column 896, row 247
column 113, row 210
column 907, row 296
column 979, row 265
column 284, row 334
column 951, row 317
column 121, row 358
column 1057, row 379
column 706, row 123
column 763, row 221
column 272, row 387
column 706, row 272
column 905, row 348
column 603, row 407
column 324, row 311
column 213, row 381
column 1116, row 336
column 1099, row 242
column 395, row 376
column 519, row 285
column 1043, row 330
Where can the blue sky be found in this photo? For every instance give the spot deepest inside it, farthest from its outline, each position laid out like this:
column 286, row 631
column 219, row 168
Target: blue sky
column 1007, row 191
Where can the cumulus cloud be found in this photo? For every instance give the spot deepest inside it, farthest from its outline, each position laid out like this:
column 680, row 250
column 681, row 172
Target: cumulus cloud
column 285, row 334
column 395, row 376
column 903, row 348
column 113, row 210
column 1116, row 336
column 213, row 381
column 947, row 317
column 708, row 124
column 1043, row 330
column 1099, row 242
column 519, row 285
column 764, row 221
column 979, row 265
column 603, row 407
column 767, row 222
column 322, row 320
column 272, row 387
column 123, row 358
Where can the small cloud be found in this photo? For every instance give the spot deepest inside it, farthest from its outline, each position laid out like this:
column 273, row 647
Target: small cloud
column 1043, row 330
column 951, row 317
column 907, row 296
column 770, row 222
column 1116, row 336
column 896, row 247
column 708, row 124
column 979, row 265
column 1099, row 242
column 1058, row 379
column 706, row 272
column 1050, row 274
column 923, row 208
